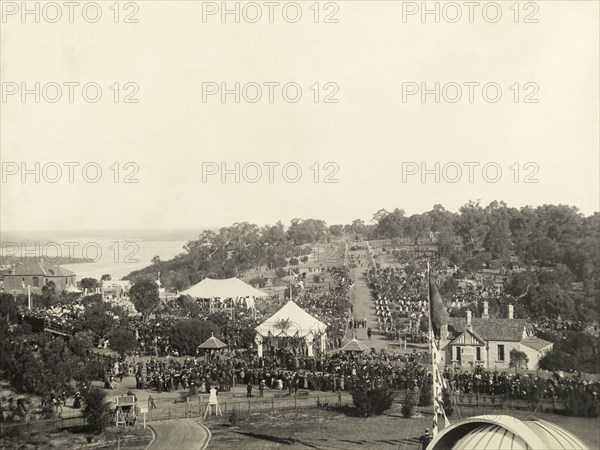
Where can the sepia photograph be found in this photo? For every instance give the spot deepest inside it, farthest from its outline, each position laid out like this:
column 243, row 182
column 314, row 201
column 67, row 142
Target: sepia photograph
column 350, row 224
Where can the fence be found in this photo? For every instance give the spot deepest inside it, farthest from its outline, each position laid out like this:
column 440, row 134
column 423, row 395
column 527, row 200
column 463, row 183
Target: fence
column 243, row 407
column 195, row 407
column 473, row 400
column 41, row 426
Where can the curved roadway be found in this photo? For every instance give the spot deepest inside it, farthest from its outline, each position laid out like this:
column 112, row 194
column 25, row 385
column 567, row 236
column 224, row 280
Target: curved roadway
column 180, row 434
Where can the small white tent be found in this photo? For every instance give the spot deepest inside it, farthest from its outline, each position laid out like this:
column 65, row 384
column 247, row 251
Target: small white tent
column 291, row 321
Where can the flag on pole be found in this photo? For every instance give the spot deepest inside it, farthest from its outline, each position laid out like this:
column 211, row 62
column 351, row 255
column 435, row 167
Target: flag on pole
column 439, row 383
column 437, row 310
column 438, row 316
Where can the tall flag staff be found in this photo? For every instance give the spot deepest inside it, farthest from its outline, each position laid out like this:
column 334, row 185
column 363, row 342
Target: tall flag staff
column 438, row 316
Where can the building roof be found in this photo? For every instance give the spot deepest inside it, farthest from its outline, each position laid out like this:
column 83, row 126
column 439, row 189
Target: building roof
column 43, row 269
column 354, row 346
column 489, row 329
column 536, row 343
column 212, row 343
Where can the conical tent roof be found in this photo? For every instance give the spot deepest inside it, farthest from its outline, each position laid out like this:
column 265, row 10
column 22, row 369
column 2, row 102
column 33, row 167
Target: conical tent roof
column 212, row 343
column 291, row 321
column 354, row 346
column 228, row 288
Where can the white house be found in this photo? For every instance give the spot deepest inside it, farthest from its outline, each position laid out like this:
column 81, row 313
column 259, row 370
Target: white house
column 483, row 340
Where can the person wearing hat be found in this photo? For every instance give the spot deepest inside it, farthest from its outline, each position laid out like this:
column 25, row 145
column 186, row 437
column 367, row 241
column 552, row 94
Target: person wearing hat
column 425, row 438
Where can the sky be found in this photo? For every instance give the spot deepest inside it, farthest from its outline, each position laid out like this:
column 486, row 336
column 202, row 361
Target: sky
column 350, row 133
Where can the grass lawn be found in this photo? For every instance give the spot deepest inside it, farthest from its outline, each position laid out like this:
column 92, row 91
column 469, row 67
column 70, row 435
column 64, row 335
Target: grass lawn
column 334, row 430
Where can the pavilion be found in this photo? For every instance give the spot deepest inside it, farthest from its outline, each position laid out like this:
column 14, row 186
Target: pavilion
column 292, row 321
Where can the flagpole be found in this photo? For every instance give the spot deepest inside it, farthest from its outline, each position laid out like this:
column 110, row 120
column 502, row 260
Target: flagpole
column 434, row 427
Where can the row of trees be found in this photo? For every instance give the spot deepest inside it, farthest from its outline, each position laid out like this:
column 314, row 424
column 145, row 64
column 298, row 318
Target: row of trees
column 546, row 235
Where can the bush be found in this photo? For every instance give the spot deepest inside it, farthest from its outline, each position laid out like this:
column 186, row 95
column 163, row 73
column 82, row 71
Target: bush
column 317, row 278
column 408, row 406
column 581, row 404
column 97, row 410
column 281, row 272
column 426, row 395
column 304, row 259
column 293, row 261
column 372, row 402
column 448, row 403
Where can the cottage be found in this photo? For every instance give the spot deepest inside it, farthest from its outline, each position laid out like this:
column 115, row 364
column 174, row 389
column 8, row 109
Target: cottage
column 488, row 342
column 37, row 274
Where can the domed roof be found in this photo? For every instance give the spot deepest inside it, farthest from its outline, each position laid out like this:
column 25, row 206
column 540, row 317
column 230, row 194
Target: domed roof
column 504, row 432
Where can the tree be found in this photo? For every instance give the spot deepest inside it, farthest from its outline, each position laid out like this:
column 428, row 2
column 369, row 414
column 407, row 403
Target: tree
column 81, row 343
column 336, row 230
column 187, row 335
column 98, row 317
column 122, row 341
column 155, row 260
column 97, row 410
column 8, row 307
column 105, row 277
column 498, row 241
column 88, row 283
column 518, row 359
column 145, row 297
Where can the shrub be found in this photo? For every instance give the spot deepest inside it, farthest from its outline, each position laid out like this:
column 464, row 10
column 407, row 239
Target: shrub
column 234, row 418
column 372, row 402
column 97, row 410
column 293, row 261
column 426, row 395
column 281, row 272
column 408, row 406
column 448, row 403
column 317, row 278
column 581, row 404
column 304, row 259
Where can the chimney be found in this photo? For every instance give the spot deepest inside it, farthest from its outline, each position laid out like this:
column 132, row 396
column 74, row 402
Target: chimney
column 486, row 312
column 469, row 324
column 511, row 311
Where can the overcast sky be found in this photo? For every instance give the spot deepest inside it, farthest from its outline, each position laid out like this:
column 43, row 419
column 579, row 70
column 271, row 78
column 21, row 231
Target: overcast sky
column 372, row 138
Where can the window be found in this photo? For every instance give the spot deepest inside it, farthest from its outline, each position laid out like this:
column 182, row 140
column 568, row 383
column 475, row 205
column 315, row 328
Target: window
column 458, row 353
column 478, row 353
column 36, row 282
column 500, row 352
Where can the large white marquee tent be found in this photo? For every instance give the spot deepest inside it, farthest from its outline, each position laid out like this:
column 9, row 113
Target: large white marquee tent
column 292, row 321
column 223, row 289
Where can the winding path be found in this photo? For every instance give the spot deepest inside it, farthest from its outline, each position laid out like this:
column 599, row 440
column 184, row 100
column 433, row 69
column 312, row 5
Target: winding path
column 180, row 434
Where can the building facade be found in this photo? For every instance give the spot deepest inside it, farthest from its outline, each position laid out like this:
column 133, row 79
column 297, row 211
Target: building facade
column 37, row 274
column 466, row 342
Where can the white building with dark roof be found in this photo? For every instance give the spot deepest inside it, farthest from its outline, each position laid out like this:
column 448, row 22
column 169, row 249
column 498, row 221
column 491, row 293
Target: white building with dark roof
column 467, row 341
